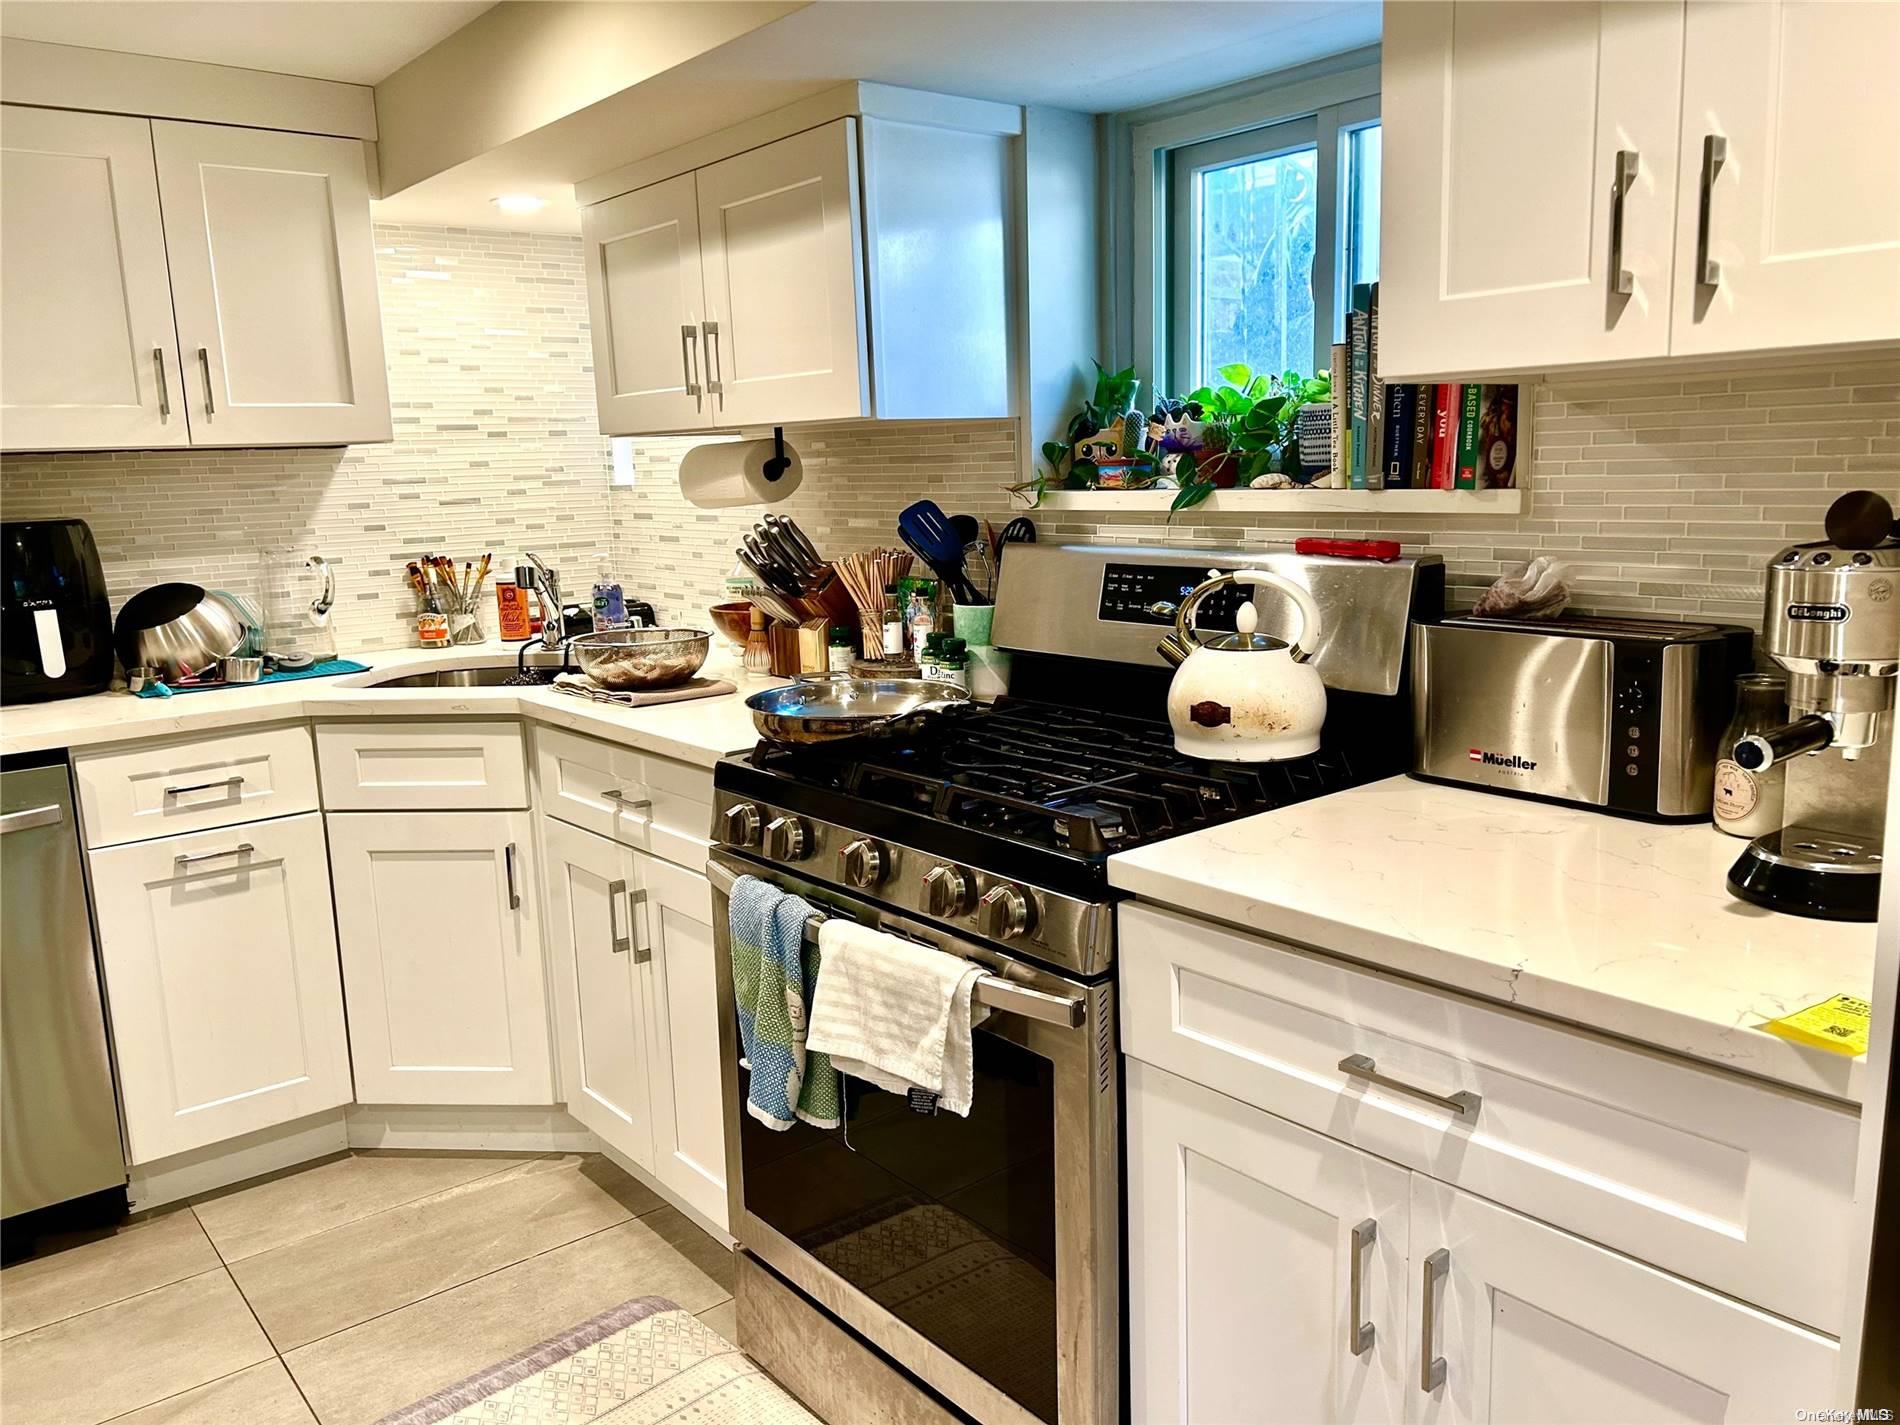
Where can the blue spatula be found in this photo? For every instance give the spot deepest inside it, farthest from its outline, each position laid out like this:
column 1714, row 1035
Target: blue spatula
column 928, row 532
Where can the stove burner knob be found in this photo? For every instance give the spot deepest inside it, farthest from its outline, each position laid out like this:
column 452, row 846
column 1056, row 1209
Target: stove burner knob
column 787, row 838
column 742, row 824
column 947, row 891
column 1005, row 913
column 864, row 862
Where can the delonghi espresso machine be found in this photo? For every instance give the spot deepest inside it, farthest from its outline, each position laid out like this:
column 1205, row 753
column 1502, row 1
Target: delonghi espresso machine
column 1833, row 621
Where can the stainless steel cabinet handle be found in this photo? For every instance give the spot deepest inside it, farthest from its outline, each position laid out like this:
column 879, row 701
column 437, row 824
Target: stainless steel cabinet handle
column 1622, row 280
column 204, row 369
column 225, row 785
column 715, row 375
column 615, row 890
column 689, row 360
column 1708, row 272
column 642, row 947
column 243, row 848
column 1359, row 1331
column 1464, row 1103
column 1431, row 1367
column 164, row 390
column 514, row 894
column 627, row 803
column 50, row 815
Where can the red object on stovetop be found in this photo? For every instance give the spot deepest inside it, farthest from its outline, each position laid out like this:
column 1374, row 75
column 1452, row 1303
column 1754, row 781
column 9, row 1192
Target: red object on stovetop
column 1383, row 550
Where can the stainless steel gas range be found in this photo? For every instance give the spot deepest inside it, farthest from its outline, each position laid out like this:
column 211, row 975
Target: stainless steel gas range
column 982, row 1255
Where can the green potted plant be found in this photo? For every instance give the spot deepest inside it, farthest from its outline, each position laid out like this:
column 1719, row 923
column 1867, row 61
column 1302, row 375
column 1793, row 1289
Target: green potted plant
column 1249, row 430
column 1108, row 408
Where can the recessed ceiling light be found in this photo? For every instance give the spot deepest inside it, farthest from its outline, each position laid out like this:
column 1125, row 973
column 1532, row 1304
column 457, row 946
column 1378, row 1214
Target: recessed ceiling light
column 519, row 203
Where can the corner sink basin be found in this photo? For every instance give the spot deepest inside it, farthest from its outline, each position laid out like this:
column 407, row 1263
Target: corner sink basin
column 484, row 675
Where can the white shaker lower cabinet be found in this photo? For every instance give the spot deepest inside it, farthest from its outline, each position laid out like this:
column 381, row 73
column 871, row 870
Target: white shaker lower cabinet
column 441, row 957
column 221, row 972
column 635, row 1009
column 1249, row 1256
column 1531, row 1323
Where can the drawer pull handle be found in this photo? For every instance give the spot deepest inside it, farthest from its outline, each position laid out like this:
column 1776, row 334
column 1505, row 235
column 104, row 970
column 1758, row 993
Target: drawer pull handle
column 164, row 388
column 243, row 848
column 642, row 950
column 1708, row 272
column 1464, row 1103
column 1360, row 1332
column 627, row 803
column 224, row 786
column 1622, row 280
column 1431, row 1367
column 204, row 368
column 514, row 893
column 622, row 942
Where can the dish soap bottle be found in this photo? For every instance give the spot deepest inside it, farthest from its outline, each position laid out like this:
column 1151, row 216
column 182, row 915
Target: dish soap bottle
column 610, row 603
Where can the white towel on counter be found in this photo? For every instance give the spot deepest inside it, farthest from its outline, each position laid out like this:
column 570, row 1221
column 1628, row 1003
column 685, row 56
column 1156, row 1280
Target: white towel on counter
column 895, row 1013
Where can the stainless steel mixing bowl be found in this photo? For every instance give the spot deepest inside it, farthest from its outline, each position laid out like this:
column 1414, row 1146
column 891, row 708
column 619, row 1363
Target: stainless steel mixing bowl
column 177, row 629
column 632, row 659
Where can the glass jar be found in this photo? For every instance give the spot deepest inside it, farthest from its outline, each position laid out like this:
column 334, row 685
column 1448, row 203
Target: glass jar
column 1749, row 803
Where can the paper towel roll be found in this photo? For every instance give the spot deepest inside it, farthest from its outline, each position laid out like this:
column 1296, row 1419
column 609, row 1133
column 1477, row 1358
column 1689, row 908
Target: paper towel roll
column 732, row 472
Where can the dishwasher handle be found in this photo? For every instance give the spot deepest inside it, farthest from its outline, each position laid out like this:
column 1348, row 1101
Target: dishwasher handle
column 51, row 814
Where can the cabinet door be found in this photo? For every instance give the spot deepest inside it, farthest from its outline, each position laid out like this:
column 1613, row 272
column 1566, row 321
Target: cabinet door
column 784, row 329
column 674, row 924
column 88, row 355
column 441, row 957
column 221, row 974
column 1534, row 1324
column 1241, row 1265
column 644, row 299
column 600, row 1016
column 1801, row 218
column 1503, row 125
column 273, row 273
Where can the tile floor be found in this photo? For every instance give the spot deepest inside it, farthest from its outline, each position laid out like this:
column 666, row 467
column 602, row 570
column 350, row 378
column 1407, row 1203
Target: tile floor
column 339, row 1291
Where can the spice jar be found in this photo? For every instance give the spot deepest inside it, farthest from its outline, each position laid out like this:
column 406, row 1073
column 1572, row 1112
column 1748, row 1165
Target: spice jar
column 1749, row 803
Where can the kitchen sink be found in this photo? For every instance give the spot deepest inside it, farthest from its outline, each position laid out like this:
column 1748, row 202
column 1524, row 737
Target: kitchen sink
column 483, row 675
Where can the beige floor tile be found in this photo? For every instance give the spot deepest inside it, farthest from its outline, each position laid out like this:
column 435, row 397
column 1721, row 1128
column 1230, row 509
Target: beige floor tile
column 135, row 1258
column 323, row 1284
column 707, row 1253
column 245, row 1221
column 362, row 1374
column 260, row 1395
column 724, row 1318
column 90, row 1368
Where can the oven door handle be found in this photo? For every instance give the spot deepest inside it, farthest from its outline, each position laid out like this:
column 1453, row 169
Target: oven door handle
column 1068, row 1011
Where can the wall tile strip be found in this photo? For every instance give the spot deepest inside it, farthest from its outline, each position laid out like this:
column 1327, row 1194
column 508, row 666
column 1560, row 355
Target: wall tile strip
column 1663, row 495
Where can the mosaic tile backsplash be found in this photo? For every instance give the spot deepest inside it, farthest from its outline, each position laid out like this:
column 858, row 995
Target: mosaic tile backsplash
column 1663, row 494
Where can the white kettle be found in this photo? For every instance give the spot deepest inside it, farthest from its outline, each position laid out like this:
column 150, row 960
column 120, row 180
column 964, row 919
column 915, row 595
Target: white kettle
column 1245, row 696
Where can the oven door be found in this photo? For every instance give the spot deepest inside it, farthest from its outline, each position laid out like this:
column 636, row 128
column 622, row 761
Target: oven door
column 980, row 1253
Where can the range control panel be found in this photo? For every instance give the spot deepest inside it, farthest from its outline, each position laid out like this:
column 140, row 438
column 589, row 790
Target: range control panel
column 1150, row 594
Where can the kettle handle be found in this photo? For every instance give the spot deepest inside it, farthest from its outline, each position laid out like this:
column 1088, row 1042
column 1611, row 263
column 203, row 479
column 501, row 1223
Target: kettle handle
column 1304, row 639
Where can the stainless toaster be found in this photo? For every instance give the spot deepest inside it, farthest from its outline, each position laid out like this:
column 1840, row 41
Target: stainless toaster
column 1620, row 715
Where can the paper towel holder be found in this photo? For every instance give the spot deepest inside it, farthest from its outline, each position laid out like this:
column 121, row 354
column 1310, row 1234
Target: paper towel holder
column 780, row 462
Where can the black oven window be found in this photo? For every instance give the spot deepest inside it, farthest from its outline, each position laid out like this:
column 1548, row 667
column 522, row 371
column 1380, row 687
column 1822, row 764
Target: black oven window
column 948, row 1223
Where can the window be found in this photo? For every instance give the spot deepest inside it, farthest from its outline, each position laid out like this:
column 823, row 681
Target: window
column 1268, row 229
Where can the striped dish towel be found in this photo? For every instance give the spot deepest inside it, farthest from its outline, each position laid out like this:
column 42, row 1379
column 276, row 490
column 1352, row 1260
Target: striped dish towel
column 772, row 976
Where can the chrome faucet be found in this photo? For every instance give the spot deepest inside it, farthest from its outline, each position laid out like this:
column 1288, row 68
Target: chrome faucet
column 547, row 588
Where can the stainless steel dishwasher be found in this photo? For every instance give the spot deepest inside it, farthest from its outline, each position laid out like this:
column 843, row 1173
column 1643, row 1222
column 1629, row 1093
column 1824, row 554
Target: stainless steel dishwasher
column 59, row 1115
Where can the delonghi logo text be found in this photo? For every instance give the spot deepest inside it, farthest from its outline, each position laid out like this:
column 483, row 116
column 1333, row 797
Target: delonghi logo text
column 1819, row 613
column 1509, row 761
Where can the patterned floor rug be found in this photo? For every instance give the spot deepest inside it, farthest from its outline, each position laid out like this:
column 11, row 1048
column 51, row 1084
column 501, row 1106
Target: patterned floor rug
column 648, row 1361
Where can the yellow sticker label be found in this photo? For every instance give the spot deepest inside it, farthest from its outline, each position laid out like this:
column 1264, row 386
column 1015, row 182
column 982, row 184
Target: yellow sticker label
column 1839, row 1024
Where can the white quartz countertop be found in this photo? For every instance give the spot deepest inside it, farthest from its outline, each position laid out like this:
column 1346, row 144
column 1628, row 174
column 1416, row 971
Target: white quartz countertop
column 700, row 731
column 1620, row 926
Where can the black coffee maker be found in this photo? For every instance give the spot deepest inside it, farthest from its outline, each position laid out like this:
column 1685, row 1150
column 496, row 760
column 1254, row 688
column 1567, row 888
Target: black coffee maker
column 55, row 624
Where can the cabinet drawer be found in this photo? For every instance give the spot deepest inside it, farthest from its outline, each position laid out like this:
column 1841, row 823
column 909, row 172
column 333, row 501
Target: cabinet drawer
column 441, row 766
column 134, row 794
column 653, row 803
column 1732, row 1183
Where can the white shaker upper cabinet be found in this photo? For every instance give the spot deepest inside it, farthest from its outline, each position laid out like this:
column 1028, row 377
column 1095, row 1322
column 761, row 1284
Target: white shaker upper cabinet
column 1528, row 210
column 645, row 300
column 784, row 327
column 90, row 358
column 1517, row 1321
column 1788, row 216
column 273, row 274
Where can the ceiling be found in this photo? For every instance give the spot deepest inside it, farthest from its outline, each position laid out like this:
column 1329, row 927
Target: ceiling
column 357, row 41
column 1098, row 57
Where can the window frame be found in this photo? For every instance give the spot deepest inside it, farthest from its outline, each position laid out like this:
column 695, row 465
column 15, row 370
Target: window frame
column 1336, row 97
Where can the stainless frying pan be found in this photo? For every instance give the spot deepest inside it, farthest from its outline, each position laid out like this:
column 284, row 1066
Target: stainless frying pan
column 838, row 708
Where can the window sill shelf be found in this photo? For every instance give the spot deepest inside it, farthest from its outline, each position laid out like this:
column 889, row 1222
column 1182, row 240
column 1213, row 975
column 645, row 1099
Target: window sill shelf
column 1313, row 502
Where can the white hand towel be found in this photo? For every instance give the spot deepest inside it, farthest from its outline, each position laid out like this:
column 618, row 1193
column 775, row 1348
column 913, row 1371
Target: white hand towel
column 894, row 1013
